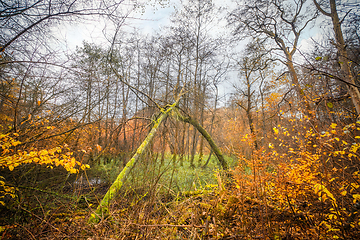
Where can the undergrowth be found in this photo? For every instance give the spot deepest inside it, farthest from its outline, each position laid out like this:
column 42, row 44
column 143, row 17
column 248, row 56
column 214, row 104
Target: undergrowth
column 305, row 185
column 161, row 194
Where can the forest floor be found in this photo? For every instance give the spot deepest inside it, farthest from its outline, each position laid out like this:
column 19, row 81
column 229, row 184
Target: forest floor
column 160, row 200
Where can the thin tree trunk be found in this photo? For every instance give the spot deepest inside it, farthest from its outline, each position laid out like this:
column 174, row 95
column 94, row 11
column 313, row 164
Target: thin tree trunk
column 182, row 146
column 212, row 123
column 304, row 103
column 201, row 148
column 208, row 160
column 193, row 148
column 252, row 129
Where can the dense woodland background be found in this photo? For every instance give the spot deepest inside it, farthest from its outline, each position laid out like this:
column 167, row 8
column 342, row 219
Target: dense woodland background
column 284, row 116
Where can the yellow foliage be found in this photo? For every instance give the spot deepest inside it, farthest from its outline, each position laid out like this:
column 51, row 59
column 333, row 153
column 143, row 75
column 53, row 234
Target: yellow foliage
column 308, row 168
column 11, row 157
column 5, row 190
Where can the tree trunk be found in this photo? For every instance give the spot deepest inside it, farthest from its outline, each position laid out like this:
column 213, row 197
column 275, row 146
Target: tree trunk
column 304, row 104
column 252, row 129
column 116, row 186
column 344, row 62
column 343, row 58
column 206, row 135
column 193, row 148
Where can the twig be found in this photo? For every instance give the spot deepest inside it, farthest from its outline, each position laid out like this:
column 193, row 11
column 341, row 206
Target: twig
column 167, row 225
column 42, row 220
column 31, row 235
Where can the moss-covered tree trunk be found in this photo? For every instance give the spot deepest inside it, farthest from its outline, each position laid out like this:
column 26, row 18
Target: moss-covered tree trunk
column 116, row 186
column 206, row 135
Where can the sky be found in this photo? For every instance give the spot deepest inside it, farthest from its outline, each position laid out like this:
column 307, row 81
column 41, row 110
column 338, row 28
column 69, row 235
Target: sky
column 151, row 18
column 148, row 20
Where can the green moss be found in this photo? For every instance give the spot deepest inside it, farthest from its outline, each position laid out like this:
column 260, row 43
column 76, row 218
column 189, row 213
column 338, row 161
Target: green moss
column 116, row 186
column 206, row 135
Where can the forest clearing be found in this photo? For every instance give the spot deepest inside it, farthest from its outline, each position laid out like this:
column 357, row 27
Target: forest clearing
column 231, row 119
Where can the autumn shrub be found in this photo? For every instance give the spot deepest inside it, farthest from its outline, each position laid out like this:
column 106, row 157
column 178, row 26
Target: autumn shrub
column 33, row 176
column 306, row 182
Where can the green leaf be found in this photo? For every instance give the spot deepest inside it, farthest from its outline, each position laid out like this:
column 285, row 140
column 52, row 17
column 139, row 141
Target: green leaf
column 318, row 58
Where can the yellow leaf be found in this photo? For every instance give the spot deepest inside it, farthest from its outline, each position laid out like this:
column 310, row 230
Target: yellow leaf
column 11, row 167
column 15, row 143
column 356, row 197
column 276, row 131
column 343, row 193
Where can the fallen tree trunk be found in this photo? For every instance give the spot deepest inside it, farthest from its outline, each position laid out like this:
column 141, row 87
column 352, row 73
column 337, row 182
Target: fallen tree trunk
column 206, row 135
column 116, row 186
